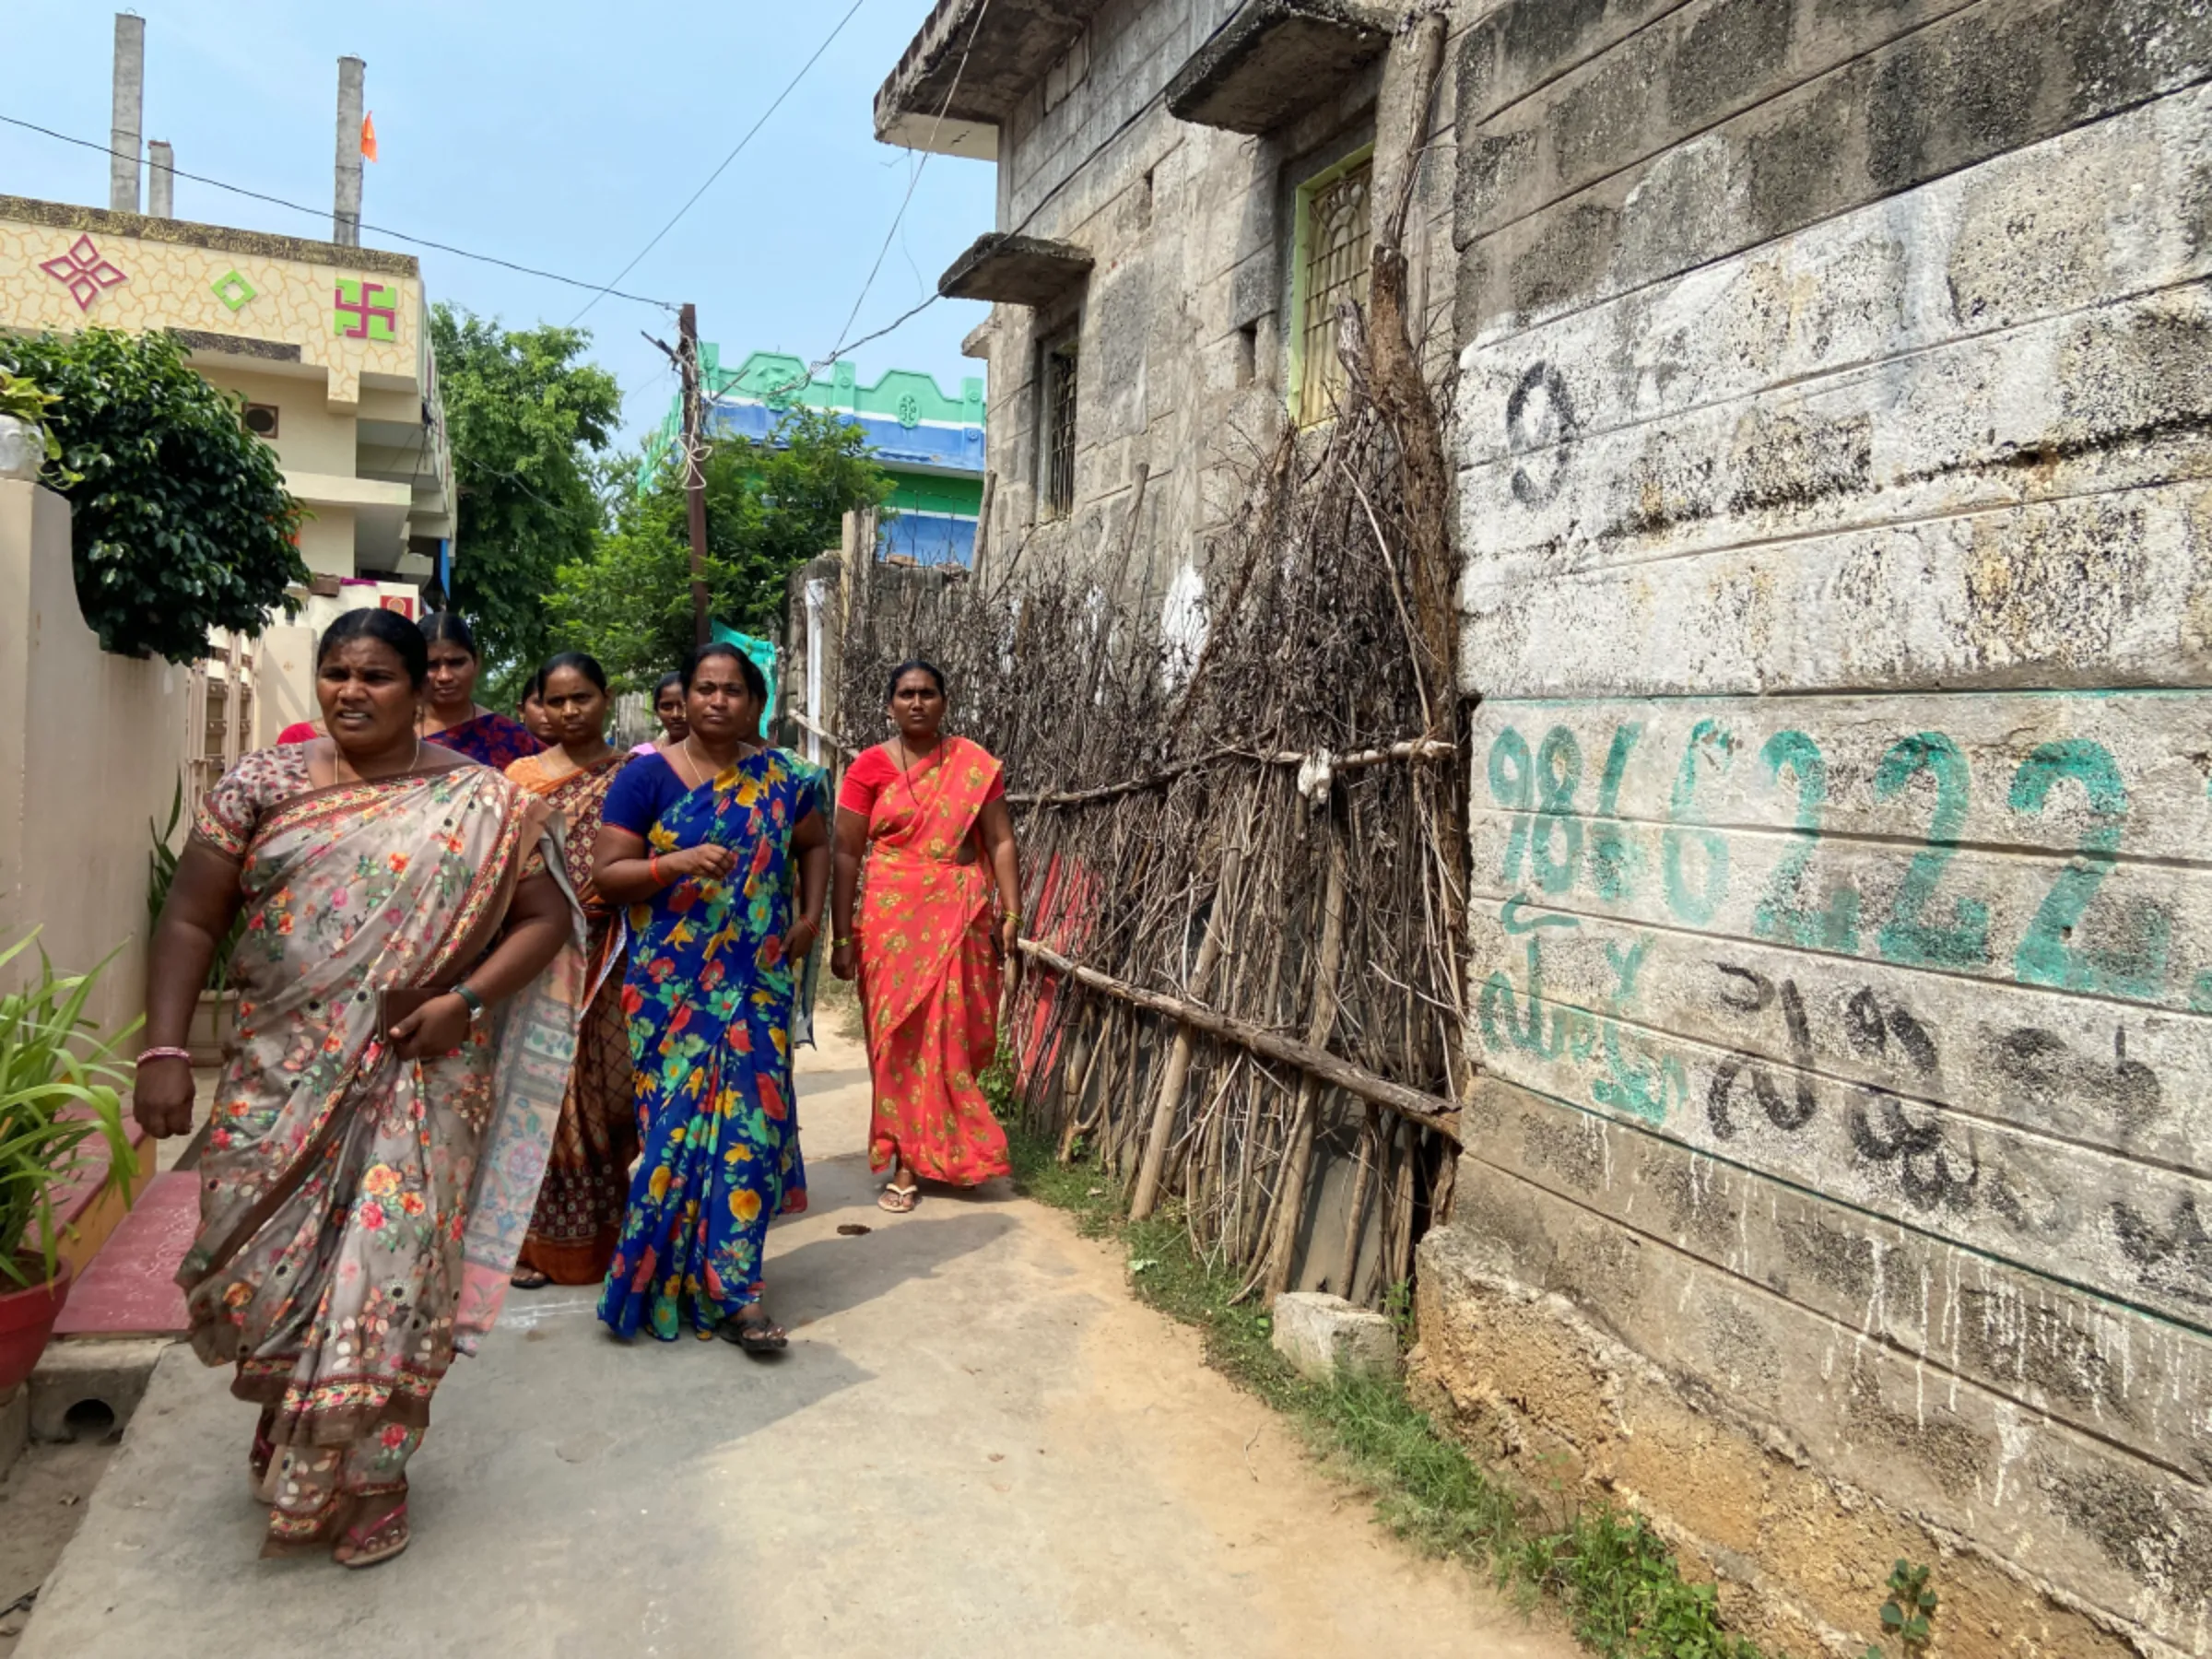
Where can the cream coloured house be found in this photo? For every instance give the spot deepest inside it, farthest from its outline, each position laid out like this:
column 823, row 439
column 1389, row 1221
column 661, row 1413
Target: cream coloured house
column 327, row 344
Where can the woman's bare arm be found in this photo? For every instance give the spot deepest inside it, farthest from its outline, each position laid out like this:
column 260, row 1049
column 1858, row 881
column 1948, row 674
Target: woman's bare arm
column 997, row 826
column 622, row 868
column 203, row 900
column 851, row 844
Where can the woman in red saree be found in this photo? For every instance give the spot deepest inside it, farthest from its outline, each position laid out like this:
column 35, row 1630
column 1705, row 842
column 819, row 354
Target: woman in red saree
column 938, row 908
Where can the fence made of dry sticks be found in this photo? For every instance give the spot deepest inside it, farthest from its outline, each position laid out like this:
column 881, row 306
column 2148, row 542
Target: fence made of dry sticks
column 1241, row 900
column 1243, row 897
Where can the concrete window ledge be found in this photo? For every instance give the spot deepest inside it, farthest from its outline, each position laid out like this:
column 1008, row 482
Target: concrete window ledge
column 1016, row 270
column 1277, row 59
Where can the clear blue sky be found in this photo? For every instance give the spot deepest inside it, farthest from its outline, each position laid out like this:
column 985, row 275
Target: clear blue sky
column 554, row 134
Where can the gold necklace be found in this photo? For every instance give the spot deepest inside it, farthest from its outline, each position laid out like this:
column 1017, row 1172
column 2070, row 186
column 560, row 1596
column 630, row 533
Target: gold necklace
column 698, row 776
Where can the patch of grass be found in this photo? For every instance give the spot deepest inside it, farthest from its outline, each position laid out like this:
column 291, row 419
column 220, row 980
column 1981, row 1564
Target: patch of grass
column 1613, row 1576
column 836, row 1008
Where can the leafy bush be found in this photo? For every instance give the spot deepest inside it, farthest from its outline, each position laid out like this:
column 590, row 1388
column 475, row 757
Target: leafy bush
column 59, row 1086
column 22, row 399
column 770, row 507
column 182, row 523
column 524, row 413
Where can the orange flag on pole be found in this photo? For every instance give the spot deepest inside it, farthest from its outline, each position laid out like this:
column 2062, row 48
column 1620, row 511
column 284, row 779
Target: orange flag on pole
column 369, row 136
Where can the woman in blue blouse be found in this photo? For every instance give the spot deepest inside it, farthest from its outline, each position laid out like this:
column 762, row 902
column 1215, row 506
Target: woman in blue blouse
column 698, row 838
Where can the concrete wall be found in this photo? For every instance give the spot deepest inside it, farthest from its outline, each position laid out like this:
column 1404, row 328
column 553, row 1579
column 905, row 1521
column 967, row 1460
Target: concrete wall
column 1190, row 230
column 91, row 746
column 1833, row 411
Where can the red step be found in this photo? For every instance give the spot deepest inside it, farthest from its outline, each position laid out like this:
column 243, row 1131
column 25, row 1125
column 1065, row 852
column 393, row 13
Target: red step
column 131, row 1290
column 87, row 1210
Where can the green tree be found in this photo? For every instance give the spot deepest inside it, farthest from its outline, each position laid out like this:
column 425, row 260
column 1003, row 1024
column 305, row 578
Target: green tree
column 182, row 522
column 770, row 507
column 525, row 418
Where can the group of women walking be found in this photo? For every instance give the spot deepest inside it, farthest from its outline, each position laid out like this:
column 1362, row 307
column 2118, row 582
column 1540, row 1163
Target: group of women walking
column 519, row 1009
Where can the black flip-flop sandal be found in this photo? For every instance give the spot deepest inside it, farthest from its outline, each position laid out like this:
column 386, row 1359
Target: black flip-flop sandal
column 761, row 1335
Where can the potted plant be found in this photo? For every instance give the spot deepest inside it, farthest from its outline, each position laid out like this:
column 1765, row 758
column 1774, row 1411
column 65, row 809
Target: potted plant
column 216, row 1022
column 60, row 1086
column 27, row 446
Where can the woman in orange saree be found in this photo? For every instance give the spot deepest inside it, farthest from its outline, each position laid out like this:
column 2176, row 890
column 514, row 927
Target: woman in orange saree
column 579, row 1216
column 926, row 925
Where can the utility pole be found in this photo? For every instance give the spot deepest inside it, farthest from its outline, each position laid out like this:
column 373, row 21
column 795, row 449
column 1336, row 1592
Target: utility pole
column 695, row 476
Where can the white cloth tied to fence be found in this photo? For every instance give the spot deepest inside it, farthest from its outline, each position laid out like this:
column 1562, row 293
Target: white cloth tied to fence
column 1315, row 773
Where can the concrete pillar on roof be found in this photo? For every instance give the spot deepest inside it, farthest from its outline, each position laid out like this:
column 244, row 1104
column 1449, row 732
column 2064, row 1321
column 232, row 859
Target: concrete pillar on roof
column 129, row 112
column 346, row 207
column 160, row 180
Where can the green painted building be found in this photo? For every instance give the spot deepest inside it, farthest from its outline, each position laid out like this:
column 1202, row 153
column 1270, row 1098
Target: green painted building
column 931, row 444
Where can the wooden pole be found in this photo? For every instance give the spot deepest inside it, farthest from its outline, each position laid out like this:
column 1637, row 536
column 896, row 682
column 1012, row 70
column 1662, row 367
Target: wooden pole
column 1415, row 1106
column 695, row 473
column 1290, row 1199
column 1179, row 1058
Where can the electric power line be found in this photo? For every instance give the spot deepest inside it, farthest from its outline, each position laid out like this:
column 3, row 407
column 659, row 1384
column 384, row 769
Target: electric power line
column 421, row 242
column 1043, row 202
column 692, row 200
column 913, row 183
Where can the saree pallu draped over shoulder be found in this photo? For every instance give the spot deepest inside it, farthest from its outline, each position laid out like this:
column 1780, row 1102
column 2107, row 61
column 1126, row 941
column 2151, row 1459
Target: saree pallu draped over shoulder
column 360, row 1213
column 578, row 1215
column 929, row 974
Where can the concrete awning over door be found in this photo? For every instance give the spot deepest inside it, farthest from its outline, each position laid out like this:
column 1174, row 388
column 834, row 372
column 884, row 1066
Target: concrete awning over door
column 1016, row 270
column 1274, row 61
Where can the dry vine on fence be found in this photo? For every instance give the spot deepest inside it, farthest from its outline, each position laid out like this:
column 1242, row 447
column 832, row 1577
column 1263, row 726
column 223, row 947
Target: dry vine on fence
column 1240, row 854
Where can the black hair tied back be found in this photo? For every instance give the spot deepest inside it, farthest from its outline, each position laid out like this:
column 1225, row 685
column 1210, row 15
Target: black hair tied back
column 583, row 663
column 756, row 682
column 444, row 628
column 915, row 665
column 386, row 628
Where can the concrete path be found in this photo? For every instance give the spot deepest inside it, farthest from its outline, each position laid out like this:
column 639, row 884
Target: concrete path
column 977, row 1444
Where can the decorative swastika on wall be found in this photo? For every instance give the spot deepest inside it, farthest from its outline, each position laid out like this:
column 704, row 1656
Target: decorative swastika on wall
column 364, row 311
column 84, row 271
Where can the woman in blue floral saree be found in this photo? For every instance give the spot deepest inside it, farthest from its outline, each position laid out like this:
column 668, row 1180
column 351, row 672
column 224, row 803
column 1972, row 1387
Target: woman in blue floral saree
column 698, row 838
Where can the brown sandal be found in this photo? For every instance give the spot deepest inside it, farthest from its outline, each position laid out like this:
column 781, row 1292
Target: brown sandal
column 370, row 1546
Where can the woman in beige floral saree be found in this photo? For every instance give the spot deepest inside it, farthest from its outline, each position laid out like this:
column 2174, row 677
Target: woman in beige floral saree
column 378, row 1134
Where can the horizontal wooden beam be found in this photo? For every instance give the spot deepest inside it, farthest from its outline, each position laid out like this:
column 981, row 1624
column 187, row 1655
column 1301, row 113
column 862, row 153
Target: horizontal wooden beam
column 1416, row 748
column 1417, row 1106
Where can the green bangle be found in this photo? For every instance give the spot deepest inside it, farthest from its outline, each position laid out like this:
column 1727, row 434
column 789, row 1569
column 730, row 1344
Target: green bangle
column 474, row 1003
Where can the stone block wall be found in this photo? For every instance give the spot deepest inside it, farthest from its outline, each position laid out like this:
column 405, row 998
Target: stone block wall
column 1835, row 425
column 1184, row 326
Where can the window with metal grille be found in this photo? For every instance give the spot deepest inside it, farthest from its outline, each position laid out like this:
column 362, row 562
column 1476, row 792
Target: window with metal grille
column 1060, row 386
column 1335, row 242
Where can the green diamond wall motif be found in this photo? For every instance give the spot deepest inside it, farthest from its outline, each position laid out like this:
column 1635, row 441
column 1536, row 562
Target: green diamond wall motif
column 233, row 290
column 362, row 310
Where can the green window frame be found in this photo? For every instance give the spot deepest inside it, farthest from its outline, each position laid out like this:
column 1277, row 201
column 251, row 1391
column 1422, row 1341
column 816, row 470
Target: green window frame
column 1333, row 240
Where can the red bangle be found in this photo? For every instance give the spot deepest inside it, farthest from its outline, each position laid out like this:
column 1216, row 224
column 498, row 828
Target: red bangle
column 652, row 866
